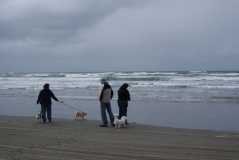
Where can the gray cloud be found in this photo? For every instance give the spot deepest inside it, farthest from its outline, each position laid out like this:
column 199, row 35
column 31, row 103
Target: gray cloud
column 94, row 35
column 52, row 21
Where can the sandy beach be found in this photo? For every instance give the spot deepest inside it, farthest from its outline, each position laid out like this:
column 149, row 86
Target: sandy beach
column 24, row 138
column 169, row 68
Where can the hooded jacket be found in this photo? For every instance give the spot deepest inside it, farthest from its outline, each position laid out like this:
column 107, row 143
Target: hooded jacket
column 44, row 97
column 123, row 93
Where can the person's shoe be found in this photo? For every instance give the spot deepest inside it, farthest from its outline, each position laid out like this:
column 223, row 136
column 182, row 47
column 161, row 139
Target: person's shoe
column 103, row 125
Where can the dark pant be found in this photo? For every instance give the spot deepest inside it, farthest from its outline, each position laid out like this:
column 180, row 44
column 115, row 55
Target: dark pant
column 46, row 110
column 104, row 107
column 123, row 105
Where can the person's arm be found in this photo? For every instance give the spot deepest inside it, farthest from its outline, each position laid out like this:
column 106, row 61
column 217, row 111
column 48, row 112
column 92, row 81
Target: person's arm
column 54, row 97
column 101, row 95
column 39, row 97
column 128, row 95
column 112, row 93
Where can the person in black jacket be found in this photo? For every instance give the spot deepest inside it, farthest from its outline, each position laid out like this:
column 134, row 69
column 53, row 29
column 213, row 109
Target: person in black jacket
column 123, row 98
column 44, row 98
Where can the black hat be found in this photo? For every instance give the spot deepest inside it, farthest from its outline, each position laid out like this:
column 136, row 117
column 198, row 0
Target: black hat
column 46, row 86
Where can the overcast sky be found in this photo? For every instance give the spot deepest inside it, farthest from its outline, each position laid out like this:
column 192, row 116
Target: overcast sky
column 118, row 35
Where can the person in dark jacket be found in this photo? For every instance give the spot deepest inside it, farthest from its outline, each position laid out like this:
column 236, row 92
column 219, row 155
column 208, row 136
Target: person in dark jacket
column 105, row 104
column 44, row 98
column 123, row 98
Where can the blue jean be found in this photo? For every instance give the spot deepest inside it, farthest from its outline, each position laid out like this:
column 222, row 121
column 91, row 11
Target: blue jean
column 104, row 107
column 46, row 110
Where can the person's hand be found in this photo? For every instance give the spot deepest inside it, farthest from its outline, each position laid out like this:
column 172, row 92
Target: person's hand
column 61, row 101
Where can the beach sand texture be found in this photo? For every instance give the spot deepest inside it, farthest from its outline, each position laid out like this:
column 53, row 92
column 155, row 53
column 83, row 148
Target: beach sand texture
column 24, row 138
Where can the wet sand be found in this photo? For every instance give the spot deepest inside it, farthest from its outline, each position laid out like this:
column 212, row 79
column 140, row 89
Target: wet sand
column 213, row 116
column 24, row 138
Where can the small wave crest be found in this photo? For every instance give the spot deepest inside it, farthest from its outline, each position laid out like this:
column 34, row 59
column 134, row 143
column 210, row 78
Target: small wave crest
column 42, row 75
column 114, row 78
column 31, row 75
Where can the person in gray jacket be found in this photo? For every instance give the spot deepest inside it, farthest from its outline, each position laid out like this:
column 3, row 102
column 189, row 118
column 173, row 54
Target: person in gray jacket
column 105, row 104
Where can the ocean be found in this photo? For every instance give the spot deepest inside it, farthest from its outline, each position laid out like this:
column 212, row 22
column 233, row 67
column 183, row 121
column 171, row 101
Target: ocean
column 191, row 93
column 179, row 86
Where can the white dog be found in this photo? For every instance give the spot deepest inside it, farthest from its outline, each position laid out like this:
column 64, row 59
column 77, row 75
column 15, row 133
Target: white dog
column 38, row 116
column 120, row 123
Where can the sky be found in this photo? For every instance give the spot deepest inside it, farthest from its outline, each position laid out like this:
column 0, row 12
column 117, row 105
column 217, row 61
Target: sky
column 122, row 35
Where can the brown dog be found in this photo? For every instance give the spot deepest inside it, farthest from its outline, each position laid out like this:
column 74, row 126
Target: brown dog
column 80, row 115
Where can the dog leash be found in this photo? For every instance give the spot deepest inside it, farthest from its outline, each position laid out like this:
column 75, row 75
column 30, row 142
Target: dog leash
column 70, row 106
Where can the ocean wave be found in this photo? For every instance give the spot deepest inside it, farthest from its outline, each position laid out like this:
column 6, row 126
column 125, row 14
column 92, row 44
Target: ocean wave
column 42, row 75
column 31, row 75
column 226, row 98
column 179, row 86
column 113, row 78
column 225, row 74
column 171, row 80
column 219, row 87
column 125, row 74
column 11, row 74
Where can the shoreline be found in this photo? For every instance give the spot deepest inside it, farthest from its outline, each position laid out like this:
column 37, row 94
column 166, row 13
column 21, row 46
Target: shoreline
column 210, row 116
column 98, row 122
column 25, row 138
